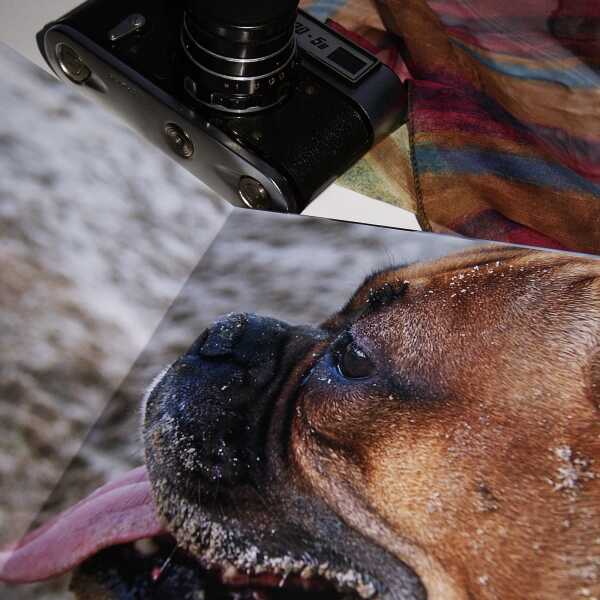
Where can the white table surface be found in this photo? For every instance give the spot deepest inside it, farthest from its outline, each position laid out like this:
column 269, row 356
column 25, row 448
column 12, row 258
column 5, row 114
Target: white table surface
column 20, row 20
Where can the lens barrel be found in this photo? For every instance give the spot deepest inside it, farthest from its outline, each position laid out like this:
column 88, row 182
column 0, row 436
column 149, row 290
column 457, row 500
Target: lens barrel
column 239, row 55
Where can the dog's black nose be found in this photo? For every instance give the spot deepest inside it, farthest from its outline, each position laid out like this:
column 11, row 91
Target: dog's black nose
column 218, row 396
column 247, row 341
column 221, row 338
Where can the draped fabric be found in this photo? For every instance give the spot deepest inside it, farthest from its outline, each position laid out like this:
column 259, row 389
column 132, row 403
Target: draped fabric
column 503, row 137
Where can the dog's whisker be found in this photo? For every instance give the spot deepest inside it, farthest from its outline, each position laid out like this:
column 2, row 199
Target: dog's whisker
column 158, row 572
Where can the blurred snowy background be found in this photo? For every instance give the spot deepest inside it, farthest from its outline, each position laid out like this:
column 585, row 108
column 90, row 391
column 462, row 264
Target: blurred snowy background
column 99, row 235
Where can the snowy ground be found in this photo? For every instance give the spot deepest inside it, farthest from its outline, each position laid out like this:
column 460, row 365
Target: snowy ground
column 99, row 234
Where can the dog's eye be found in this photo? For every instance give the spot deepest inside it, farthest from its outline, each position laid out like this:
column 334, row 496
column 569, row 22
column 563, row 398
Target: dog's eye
column 353, row 363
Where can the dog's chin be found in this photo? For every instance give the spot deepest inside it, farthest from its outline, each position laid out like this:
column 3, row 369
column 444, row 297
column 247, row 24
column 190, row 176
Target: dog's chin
column 269, row 562
column 159, row 569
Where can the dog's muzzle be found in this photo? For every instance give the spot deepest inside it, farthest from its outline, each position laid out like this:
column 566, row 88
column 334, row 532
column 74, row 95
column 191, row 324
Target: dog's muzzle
column 212, row 408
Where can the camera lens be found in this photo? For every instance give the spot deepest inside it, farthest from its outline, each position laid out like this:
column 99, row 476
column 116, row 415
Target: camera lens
column 239, row 55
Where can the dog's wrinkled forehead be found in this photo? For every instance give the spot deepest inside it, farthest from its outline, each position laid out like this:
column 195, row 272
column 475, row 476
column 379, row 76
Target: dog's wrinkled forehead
column 386, row 286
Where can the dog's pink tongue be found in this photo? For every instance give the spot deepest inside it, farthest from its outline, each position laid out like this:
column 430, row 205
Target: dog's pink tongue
column 119, row 512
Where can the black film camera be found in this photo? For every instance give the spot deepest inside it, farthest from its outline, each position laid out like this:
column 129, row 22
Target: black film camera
column 259, row 100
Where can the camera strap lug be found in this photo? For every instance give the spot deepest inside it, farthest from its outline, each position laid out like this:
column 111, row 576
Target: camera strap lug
column 132, row 24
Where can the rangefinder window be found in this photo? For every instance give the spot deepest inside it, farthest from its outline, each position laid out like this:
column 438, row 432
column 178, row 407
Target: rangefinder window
column 347, row 61
column 261, row 95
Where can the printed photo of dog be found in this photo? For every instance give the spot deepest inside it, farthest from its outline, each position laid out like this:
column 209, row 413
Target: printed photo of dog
column 437, row 437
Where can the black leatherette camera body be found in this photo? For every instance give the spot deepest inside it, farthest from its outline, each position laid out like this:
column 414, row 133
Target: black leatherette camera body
column 291, row 151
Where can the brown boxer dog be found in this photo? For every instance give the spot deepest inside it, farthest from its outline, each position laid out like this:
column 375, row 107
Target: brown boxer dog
column 437, row 438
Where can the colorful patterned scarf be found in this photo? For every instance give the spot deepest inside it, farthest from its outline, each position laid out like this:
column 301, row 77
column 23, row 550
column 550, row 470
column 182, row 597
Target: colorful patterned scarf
column 503, row 138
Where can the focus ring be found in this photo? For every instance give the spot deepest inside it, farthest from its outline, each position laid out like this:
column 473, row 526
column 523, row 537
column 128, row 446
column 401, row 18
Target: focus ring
column 211, row 61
